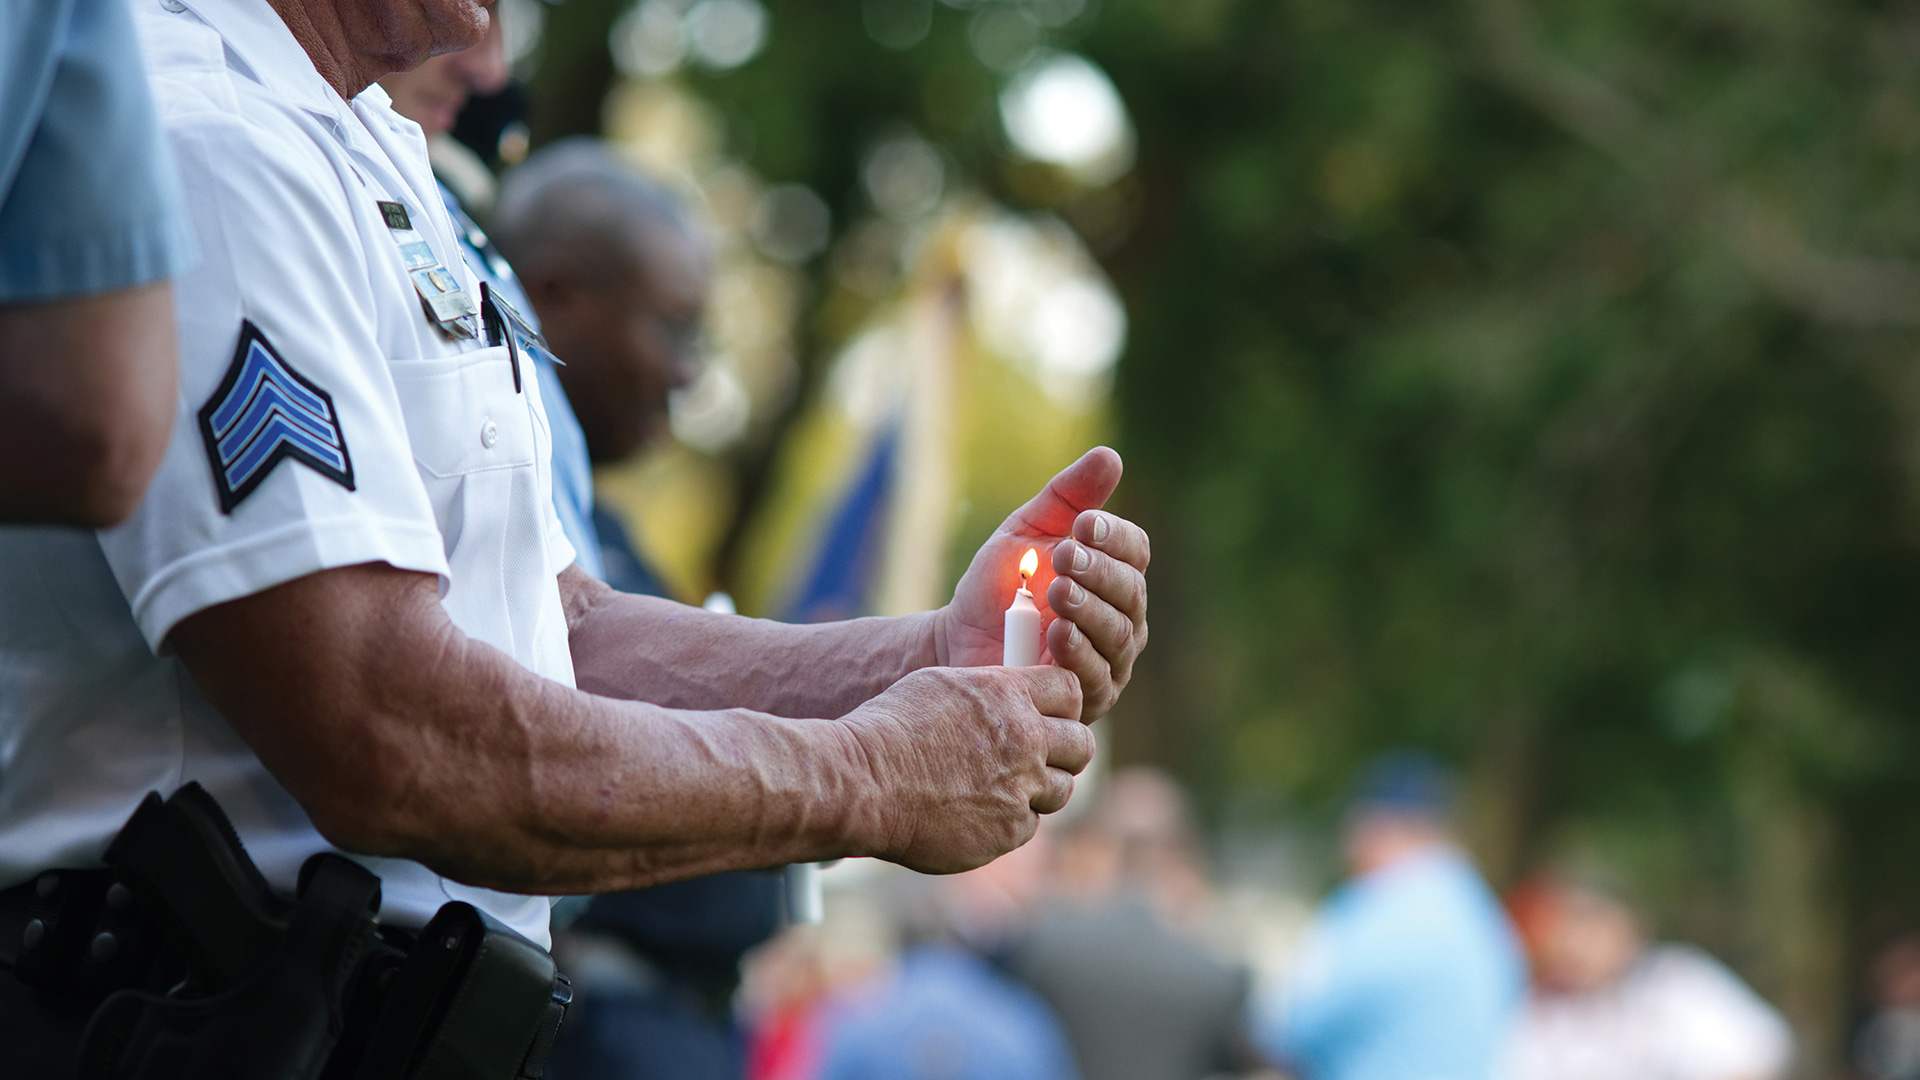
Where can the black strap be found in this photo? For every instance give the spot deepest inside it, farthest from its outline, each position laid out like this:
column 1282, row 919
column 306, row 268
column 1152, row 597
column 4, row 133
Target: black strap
column 15, row 912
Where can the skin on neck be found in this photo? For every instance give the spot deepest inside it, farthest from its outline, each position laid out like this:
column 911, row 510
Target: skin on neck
column 1377, row 840
column 352, row 43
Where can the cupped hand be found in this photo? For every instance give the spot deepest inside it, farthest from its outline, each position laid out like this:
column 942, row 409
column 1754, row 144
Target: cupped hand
column 964, row 760
column 1091, row 588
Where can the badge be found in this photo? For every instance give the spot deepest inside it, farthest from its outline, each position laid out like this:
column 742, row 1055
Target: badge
column 396, row 215
column 443, row 295
column 264, row 413
column 417, row 255
column 450, row 307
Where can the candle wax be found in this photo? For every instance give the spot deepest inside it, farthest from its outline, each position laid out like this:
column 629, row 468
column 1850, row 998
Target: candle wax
column 1020, row 637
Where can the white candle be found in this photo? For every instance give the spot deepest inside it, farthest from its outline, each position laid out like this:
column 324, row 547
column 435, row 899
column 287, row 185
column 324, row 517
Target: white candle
column 1020, row 636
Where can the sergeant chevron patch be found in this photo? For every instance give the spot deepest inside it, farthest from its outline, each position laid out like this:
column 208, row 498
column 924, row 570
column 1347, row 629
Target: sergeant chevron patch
column 263, row 412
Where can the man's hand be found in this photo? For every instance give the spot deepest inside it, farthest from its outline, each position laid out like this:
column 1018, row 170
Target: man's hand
column 1091, row 589
column 965, row 759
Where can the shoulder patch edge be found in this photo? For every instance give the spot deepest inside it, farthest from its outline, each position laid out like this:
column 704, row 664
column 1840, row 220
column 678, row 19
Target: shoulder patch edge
column 231, row 496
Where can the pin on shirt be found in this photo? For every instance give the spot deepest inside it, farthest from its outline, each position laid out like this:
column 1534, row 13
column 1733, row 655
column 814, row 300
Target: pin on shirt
column 450, row 307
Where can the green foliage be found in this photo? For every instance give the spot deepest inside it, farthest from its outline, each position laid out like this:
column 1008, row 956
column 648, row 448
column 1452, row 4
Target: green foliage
column 1534, row 385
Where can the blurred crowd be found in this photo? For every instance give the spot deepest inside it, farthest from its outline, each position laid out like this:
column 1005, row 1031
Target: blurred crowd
column 1107, row 950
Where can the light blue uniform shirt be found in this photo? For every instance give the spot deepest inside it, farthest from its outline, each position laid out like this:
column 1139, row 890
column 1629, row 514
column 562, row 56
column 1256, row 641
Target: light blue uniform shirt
column 1409, row 973
column 572, row 471
column 946, row 1014
column 89, row 200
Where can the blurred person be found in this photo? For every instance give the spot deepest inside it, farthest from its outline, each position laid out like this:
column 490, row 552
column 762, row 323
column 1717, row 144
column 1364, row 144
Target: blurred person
column 619, row 276
column 942, row 1011
column 1888, row 1044
column 1609, row 1005
column 1139, row 998
column 616, row 276
column 432, row 96
column 784, row 985
column 654, row 969
column 91, row 228
column 1410, row 969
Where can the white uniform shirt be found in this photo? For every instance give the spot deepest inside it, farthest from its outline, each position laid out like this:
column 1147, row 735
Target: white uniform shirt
column 398, row 445
column 1677, row 1014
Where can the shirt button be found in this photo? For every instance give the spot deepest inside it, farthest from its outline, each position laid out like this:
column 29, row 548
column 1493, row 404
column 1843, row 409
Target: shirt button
column 489, row 434
column 174, row 6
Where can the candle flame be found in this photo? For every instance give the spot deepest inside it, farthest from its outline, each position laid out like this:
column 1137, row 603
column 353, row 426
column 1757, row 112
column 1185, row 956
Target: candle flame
column 1029, row 563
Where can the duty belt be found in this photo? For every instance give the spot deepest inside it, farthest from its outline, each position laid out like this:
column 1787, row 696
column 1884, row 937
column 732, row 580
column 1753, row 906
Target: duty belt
column 190, row 968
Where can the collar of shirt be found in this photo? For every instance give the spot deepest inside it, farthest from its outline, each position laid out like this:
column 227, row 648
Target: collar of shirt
column 381, row 140
column 254, row 32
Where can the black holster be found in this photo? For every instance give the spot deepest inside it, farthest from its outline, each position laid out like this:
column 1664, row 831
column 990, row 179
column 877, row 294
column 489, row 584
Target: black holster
column 195, row 970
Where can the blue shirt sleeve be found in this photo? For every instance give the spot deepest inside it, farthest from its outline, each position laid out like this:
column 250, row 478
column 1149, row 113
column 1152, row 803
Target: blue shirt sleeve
column 89, row 200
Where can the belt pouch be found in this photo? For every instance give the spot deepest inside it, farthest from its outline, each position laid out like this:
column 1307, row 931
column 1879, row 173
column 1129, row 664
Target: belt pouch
column 474, row 1001
column 266, row 997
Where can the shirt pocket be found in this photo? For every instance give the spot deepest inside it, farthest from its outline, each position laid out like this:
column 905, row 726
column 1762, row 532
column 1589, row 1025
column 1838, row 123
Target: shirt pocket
column 463, row 414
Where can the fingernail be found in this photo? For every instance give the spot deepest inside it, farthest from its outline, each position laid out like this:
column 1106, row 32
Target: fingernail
column 1075, row 595
column 1081, row 560
column 1073, row 635
column 1100, row 527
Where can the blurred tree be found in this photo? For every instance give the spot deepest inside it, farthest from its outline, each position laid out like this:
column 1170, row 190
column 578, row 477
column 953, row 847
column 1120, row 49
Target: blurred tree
column 1535, row 384
column 1531, row 382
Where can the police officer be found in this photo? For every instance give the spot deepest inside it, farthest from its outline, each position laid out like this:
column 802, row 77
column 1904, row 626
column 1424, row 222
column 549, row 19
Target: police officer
column 90, row 228
column 347, row 611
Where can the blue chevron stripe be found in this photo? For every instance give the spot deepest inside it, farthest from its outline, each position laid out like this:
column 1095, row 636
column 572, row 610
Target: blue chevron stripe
column 262, row 367
column 271, row 437
column 264, row 412
column 269, row 404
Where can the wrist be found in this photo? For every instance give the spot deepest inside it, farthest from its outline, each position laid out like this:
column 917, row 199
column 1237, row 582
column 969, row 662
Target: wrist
column 867, row 819
column 939, row 635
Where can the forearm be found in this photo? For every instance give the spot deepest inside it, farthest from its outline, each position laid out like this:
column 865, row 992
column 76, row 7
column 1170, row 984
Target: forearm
column 591, row 794
column 402, row 736
column 647, row 649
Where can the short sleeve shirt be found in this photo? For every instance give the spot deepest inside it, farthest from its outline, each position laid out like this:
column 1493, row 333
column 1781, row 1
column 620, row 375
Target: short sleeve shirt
column 326, row 419
column 88, row 198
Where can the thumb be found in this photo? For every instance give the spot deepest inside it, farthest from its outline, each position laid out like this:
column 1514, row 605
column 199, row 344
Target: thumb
column 1086, row 484
column 1054, row 691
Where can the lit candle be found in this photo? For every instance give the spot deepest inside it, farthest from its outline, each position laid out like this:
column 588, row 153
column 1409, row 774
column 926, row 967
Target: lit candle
column 1020, row 638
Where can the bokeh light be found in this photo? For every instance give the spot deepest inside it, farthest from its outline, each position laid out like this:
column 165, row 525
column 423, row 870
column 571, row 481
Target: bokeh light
column 1063, row 110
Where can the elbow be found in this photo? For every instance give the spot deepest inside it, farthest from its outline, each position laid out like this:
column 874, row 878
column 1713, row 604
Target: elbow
column 109, row 464
column 89, row 470
column 377, row 805
column 361, row 809
column 88, row 394
column 118, row 444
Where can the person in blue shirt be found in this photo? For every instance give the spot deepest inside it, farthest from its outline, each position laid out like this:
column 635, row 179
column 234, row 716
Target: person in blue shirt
column 91, row 226
column 619, row 276
column 432, row 96
column 619, row 303
column 1409, row 971
column 945, row 1013
column 941, row 1011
